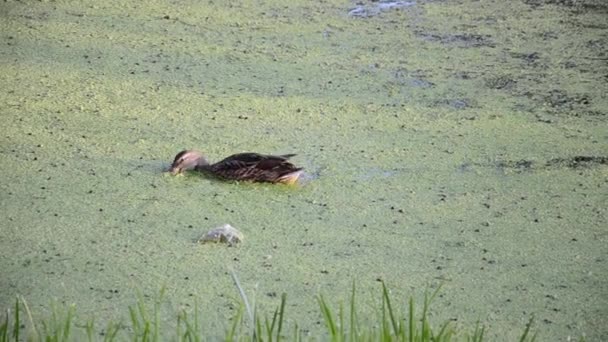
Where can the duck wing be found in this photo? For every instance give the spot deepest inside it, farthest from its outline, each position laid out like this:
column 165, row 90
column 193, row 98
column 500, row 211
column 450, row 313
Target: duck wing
column 255, row 166
column 250, row 157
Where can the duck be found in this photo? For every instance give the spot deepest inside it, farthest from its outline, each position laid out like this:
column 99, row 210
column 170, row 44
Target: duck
column 248, row 166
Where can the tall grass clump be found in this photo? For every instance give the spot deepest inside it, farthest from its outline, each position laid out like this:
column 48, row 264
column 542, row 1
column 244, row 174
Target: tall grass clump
column 259, row 329
column 57, row 328
column 145, row 326
column 390, row 322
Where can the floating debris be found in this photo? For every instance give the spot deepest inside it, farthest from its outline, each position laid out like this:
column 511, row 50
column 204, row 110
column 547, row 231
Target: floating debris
column 366, row 11
column 224, row 234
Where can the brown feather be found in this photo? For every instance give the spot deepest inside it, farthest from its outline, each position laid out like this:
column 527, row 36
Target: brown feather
column 243, row 166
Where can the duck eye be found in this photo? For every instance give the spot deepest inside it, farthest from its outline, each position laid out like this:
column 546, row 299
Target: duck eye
column 178, row 161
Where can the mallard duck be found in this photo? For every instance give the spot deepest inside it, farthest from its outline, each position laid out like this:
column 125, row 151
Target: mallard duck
column 243, row 166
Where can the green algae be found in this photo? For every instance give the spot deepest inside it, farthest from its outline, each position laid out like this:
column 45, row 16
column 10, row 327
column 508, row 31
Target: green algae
column 417, row 126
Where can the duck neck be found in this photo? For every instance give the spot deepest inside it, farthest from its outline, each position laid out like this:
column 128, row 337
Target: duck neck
column 202, row 164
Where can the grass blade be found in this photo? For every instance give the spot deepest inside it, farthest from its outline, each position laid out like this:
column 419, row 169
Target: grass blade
column 257, row 331
column 243, row 296
column 386, row 299
column 412, row 323
column 4, row 328
column 16, row 323
column 524, row 336
column 111, row 332
column 31, row 318
column 478, row 333
column 327, row 316
column 236, row 321
column 281, row 315
column 353, row 315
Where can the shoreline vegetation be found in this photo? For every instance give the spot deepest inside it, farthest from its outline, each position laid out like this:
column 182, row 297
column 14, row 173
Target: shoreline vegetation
column 389, row 324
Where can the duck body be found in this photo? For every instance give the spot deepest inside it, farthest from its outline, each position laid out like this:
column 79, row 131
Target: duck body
column 247, row 166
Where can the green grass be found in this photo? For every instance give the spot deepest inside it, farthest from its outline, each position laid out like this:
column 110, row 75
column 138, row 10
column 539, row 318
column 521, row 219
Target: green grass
column 389, row 324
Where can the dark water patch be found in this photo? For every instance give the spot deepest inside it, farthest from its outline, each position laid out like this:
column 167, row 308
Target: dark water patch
column 525, row 165
column 591, row 113
column 597, row 45
column 462, row 40
column 594, row 26
column 549, row 35
column 464, row 75
column 577, row 162
column 455, row 103
column 500, row 82
column 420, row 83
column 415, row 79
column 576, row 5
column 528, row 58
column 517, row 166
column 560, row 102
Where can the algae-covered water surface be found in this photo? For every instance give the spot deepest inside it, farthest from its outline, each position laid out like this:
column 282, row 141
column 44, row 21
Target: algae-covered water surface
column 453, row 143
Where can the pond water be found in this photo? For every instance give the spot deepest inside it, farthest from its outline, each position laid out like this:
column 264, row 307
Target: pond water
column 461, row 144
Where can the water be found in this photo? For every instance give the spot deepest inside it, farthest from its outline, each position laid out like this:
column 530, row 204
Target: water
column 430, row 134
column 375, row 8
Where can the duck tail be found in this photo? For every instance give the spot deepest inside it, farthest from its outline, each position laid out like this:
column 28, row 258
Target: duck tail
column 291, row 178
column 287, row 156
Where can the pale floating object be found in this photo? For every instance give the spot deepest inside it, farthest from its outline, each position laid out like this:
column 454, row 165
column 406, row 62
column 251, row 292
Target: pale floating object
column 367, row 11
column 224, row 234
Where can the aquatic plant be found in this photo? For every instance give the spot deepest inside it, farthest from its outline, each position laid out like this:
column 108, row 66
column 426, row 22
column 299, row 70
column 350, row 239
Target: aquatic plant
column 390, row 324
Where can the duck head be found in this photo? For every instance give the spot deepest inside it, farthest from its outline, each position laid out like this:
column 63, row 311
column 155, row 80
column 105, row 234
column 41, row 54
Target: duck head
column 187, row 160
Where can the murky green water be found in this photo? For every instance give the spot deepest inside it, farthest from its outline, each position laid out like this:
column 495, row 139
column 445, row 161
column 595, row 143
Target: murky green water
column 455, row 143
